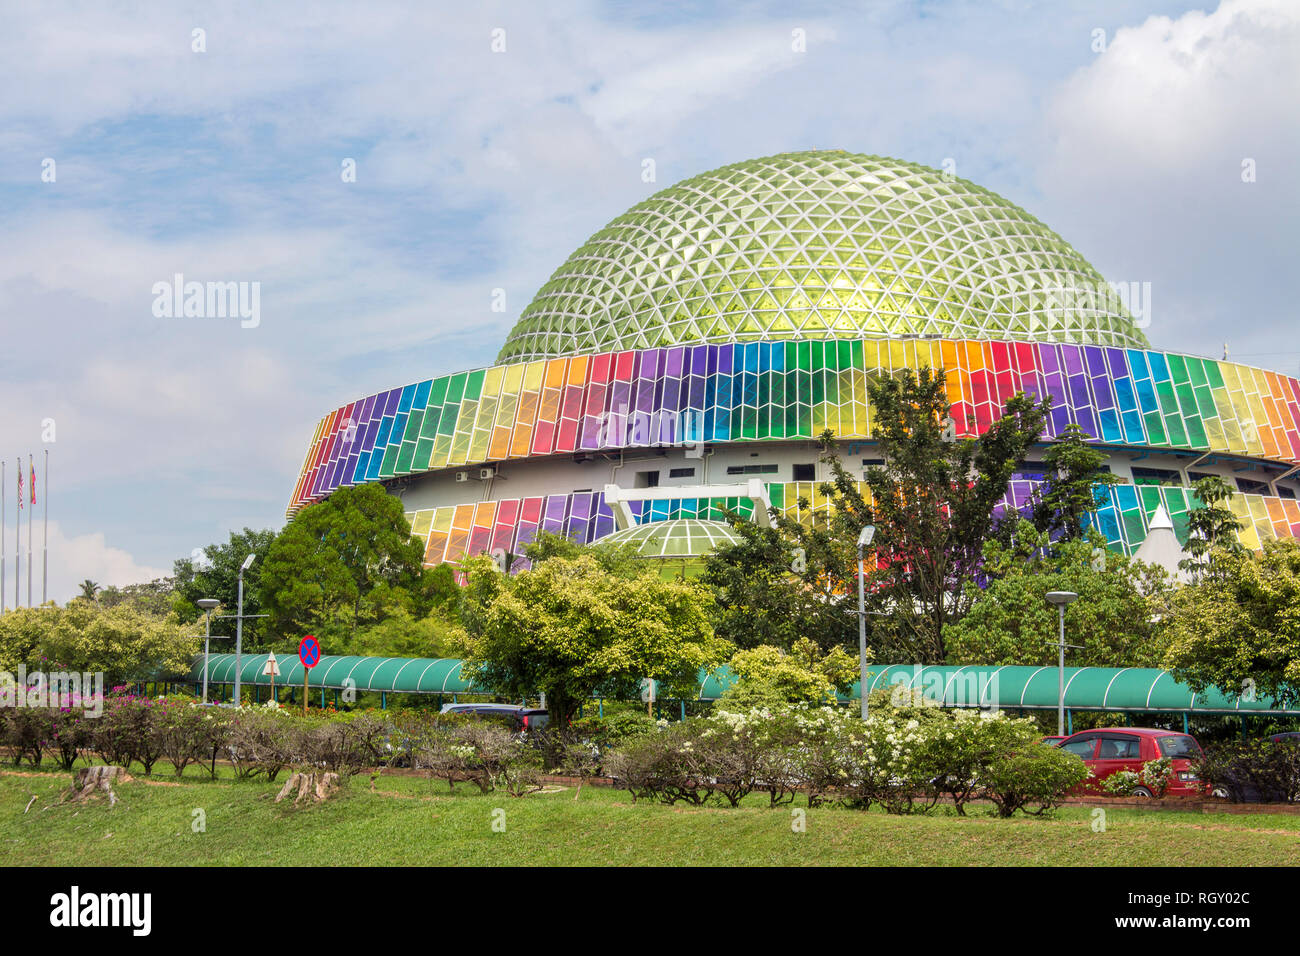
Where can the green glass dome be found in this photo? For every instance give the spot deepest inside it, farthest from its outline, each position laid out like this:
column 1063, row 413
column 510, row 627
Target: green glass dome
column 819, row 245
column 686, row 539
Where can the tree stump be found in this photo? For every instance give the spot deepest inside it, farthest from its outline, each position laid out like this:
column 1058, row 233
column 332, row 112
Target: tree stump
column 88, row 781
column 313, row 786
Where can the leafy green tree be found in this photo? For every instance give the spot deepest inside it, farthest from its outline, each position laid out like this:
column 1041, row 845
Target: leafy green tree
column 1240, row 631
column 769, row 675
column 1211, row 530
column 1115, row 619
column 342, row 565
column 776, row 586
column 156, row 597
column 932, row 504
column 569, row 628
column 621, row 561
column 402, row 634
column 216, row 575
column 89, row 589
column 1070, row 492
column 123, row 642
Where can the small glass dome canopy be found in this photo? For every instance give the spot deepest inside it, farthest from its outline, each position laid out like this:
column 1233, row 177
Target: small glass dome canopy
column 681, row 545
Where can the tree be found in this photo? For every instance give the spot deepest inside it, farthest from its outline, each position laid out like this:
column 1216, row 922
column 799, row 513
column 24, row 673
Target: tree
column 570, row 629
column 157, row 597
column 768, row 675
column 1010, row 621
column 216, row 575
column 123, row 642
column 1070, row 492
column 1211, row 530
column 776, row 586
column 341, row 565
column 89, row 589
column 1240, row 632
column 932, row 503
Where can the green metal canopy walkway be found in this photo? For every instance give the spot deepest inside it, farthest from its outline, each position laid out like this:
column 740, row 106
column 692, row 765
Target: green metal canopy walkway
column 1111, row 689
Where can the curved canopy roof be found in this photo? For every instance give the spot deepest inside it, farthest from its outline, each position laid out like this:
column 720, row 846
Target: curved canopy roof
column 819, row 244
column 1138, row 689
column 677, row 538
column 397, row 675
column 1134, row 689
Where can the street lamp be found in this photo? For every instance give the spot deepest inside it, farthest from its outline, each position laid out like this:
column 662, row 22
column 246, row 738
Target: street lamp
column 239, row 622
column 207, row 604
column 1060, row 599
column 864, row 540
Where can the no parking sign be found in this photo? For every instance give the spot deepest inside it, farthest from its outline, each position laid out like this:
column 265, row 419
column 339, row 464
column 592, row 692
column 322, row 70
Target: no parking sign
column 309, row 655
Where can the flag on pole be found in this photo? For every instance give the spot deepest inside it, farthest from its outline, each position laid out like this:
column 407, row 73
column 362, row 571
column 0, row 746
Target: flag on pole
column 20, row 484
column 33, row 468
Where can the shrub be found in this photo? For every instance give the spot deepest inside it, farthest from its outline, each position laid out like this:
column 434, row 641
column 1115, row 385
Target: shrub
column 126, row 732
column 483, row 753
column 257, row 742
column 1037, row 776
column 1156, row 775
column 1252, row 770
column 69, row 732
column 27, row 733
column 1122, row 783
column 187, row 732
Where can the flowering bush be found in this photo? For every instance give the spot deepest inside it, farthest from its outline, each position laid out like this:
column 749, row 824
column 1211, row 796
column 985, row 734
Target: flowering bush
column 483, row 753
column 902, row 758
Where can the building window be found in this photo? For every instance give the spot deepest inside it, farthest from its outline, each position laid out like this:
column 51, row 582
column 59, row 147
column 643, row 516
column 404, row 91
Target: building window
column 647, row 479
column 681, row 472
column 751, row 469
column 1157, row 476
column 805, row 472
column 1284, row 492
column 1252, row 487
column 873, row 463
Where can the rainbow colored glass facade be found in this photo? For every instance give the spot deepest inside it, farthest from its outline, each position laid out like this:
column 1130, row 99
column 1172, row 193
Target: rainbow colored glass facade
column 781, row 391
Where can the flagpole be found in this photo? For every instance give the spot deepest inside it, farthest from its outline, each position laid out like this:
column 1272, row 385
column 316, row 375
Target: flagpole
column 31, row 514
column 18, row 538
column 45, row 532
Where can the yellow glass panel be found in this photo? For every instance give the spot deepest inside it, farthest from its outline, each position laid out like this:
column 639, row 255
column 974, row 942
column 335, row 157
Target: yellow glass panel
column 1248, row 536
column 1259, row 517
column 421, row 523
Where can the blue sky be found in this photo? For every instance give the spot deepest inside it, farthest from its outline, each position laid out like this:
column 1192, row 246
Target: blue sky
column 479, row 170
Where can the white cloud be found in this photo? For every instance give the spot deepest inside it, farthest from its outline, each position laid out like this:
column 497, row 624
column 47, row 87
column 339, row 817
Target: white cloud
column 71, row 560
column 1144, row 169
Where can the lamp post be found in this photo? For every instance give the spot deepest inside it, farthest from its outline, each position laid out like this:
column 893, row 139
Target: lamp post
column 1060, row 599
column 239, row 623
column 864, row 540
column 207, row 604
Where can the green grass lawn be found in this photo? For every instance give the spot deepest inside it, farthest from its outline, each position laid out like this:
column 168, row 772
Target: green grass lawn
column 410, row 820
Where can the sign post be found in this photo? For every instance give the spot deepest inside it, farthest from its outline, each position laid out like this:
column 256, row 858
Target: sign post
column 271, row 670
column 309, row 655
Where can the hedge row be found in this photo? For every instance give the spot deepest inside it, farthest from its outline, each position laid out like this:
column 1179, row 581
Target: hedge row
column 903, row 759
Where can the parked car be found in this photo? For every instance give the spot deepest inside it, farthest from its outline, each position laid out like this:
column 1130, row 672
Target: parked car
column 1111, row 749
column 516, row 716
column 1287, row 736
column 1053, row 740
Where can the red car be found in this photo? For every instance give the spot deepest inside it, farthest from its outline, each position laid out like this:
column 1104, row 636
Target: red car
column 1112, row 749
